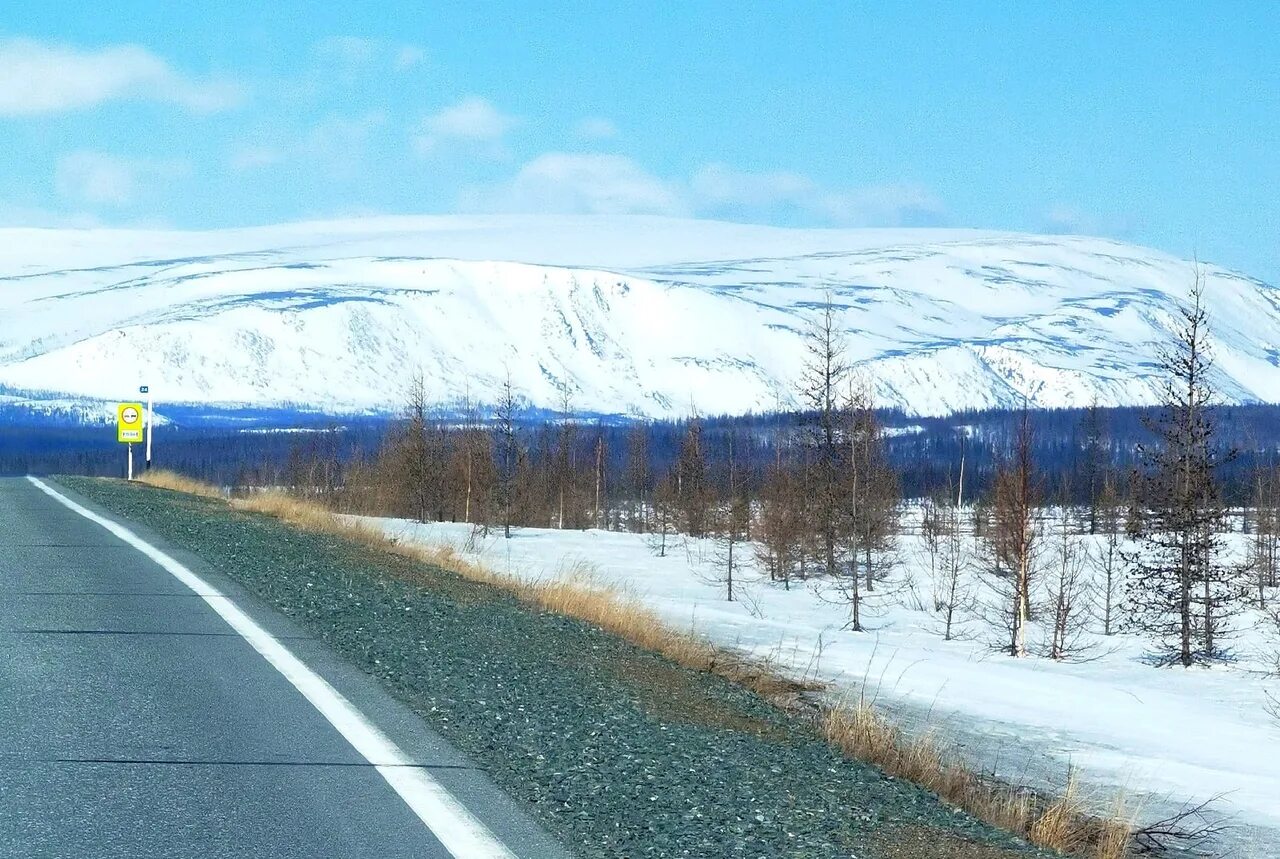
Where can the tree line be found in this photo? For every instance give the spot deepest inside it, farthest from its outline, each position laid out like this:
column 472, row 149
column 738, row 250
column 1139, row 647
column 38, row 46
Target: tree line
column 1112, row 542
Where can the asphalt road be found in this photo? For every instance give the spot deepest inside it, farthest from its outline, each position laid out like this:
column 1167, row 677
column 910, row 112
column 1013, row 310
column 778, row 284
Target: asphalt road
column 136, row 720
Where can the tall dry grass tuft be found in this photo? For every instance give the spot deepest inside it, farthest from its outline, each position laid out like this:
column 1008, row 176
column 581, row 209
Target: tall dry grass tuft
column 857, row 729
column 1062, row 823
column 175, row 482
column 1115, row 832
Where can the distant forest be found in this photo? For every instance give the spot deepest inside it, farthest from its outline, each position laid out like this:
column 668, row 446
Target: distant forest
column 925, row 452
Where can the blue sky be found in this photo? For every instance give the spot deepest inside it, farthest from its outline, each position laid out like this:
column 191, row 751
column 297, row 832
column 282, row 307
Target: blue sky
column 1157, row 123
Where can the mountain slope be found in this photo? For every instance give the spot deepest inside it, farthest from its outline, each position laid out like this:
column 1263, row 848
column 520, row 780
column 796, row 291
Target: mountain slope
column 637, row 315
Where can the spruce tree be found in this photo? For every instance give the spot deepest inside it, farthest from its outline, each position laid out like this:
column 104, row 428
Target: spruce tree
column 1181, row 591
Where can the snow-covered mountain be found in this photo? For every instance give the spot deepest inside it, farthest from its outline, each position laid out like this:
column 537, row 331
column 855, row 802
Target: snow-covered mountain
column 637, row 315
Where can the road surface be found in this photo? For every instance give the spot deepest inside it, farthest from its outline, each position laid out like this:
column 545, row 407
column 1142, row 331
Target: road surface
column 150, row 708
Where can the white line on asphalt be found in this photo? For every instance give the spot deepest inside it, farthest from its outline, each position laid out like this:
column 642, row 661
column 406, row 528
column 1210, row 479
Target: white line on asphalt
column 462, row 834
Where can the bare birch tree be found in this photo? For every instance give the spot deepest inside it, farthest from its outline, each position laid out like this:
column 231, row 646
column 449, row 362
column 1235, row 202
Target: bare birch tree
column 1108, row 561
column 953, row 592
column 1069, row 593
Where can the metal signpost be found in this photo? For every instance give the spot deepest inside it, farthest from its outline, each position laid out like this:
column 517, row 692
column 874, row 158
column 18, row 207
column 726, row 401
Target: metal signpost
column 129, row 428
column 146, row 389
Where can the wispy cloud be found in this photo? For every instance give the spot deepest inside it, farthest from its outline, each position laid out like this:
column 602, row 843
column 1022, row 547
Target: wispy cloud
column 41, row 78
column 348, row 50
column 1065, row 219
column 474, row 124
column 563, row 182
column 358, row 53
column 339, row 144
column 252, row 157
column 20, row 215
column 719, row 190
column 614, row 184
column 409, row 56
column 717, row 186
column 596, row 128
column 97, row 178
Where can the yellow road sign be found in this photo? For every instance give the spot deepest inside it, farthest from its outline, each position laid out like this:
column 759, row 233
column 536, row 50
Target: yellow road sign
column 129, row 422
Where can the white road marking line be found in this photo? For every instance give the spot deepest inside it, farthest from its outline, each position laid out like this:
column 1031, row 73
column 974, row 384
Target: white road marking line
column 462, row 834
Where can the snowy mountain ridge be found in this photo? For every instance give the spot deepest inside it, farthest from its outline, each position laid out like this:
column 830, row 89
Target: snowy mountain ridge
column 637, row 315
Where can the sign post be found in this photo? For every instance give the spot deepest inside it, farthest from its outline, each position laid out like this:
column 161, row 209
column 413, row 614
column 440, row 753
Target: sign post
column 129, row 428
column 146, row 389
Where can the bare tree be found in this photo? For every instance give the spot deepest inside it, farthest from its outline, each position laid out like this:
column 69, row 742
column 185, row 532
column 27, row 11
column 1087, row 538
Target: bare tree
column 1069, row 594
column 953, row 594
column 1181, row 591
column 932, row 534
column 639, row 477
column 821, row 388
column 1013, row 540
column 565, row 465
column 1095, row 459
column 416, row 471
column 731, row 531
column 666, row 505
column 1264, row 548
column 599, row 515
column 872, row 487
column 472, row 458
column 781, row 528
column 508, row 445
column 692, row 491
column 1108, row 562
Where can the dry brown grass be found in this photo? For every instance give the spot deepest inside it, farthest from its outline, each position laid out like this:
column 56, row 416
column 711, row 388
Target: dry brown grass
column 577, row 596
column 1060, row 823
column 180, row 483
column 858, row 728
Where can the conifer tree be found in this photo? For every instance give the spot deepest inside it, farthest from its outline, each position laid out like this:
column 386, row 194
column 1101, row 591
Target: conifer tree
column 1181, row 591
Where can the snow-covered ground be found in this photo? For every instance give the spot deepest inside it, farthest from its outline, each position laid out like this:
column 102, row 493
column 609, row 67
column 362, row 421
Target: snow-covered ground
column 636, row 315
column 1165, row 736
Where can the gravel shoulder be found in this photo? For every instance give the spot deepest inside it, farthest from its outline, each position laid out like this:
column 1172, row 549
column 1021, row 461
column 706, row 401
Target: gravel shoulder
column 614, row 750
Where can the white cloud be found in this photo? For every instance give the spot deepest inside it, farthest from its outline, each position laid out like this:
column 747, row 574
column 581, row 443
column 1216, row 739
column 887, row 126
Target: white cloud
column 473, row 124
column 717, row 186
column 351, row 51
column 563, row 182
column 19, row 215
column 601, row 183
column 357, row 53
column 720, row 190
column 253, row 157
column 38, row 77
column 596, row 128
column 93, row 177
column 339, row 144
column 101, row 179
column 889, row 205
column 408, row 56
column 1064, row 219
